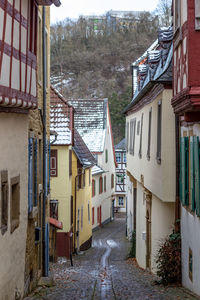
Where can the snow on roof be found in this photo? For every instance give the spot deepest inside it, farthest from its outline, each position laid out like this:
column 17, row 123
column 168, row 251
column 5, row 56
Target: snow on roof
column 82, row 152
column 60, row 119
column 121, row 145
column 90, row 120
column 97, row 170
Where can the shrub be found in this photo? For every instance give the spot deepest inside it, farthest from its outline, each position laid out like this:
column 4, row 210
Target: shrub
column 169, row 260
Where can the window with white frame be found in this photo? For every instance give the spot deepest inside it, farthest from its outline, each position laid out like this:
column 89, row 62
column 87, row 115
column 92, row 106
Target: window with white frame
column 124, row 157
column 118, row 157
column 120, row 178
column 121, row 201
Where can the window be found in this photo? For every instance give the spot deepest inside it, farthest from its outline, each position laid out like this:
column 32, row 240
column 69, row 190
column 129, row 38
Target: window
column 120, row 178
column 112, row 181
column 104, row 183
column 32, row 173
column 92, row 215
column 197, row 14
column 159, row 129
column 184, row 164
column 149, row 135
column 15, row 203
column 88, row 212
column 132, row 136
column 100, row 185
column 121, row 201
column 140, row 148
column 124, row 157
column 138, row 127
column 127, row 136
column 118, row 157
column 89, row 176
column 93, row 188
column 70, row 162
column 177, row 14
column 106, row 156
column 84, row 179
column 54, row 164
column 4, row 201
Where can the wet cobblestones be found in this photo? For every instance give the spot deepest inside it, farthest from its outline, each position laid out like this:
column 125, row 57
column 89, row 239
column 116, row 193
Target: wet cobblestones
column 103, row 272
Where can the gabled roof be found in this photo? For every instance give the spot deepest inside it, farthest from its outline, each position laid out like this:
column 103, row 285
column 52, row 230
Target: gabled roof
column 82, row 152
column 60, row 118
column 121, row 145
column 90, row 120
column 157, row 67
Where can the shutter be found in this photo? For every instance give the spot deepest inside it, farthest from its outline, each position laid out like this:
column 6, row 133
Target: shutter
column 196, row 174
column 35, row 172
column 93, row 216
column 184, row 170
column 134, row 127
column 191, row 174
column 127, row 136
column 149, row 135
column 30, row 175
column 140, row 149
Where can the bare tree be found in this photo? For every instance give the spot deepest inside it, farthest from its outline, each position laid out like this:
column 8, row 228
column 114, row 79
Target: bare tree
column 163, row 11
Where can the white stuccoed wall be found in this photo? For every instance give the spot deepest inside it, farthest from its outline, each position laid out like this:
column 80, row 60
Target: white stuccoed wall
column 14, row 158
column 190, row 235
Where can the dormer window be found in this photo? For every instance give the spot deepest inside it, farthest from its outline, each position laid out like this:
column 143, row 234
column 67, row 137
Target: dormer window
column 177, row 15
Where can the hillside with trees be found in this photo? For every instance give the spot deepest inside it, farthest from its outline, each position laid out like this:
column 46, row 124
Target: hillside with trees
column 90, row 60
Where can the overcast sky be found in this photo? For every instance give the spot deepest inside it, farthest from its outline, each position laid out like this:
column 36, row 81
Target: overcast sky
column 74, row 8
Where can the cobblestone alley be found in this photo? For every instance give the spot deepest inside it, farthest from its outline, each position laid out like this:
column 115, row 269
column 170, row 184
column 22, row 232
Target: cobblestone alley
column 103, row 272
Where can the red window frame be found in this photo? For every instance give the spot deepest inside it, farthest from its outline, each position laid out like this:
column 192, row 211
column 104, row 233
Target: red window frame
column 92, row 215
column 93, row 187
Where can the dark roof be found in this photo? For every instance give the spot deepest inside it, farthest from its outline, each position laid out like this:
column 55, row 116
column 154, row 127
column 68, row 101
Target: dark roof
column 60, row 118
column 90, row 120
column 121, row 145
column 158, row 66
column 82, row 152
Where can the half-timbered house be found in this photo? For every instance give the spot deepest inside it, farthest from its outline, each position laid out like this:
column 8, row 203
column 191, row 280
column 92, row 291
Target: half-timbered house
column 120, row 176
column 19, row 21
column 186, row 105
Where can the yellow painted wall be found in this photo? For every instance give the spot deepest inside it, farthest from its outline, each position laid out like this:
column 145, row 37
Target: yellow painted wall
column 83, row 198
column 61, row 186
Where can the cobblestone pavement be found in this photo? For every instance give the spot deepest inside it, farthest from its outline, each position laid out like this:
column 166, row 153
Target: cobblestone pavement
column 103, row 272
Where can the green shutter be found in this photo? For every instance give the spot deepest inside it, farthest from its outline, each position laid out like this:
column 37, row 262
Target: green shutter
column 191, row 174
column 184, row 162
column 196, row 174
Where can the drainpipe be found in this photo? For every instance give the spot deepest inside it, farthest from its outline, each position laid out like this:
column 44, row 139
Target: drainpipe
column 44, row 242
column 177, row 204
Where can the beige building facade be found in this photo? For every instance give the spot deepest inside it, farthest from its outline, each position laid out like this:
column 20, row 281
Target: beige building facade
column 150, row 133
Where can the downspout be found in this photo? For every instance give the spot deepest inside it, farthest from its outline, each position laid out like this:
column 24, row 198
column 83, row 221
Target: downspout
column 177, row 203
column 44, row 242
column 75, row 216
